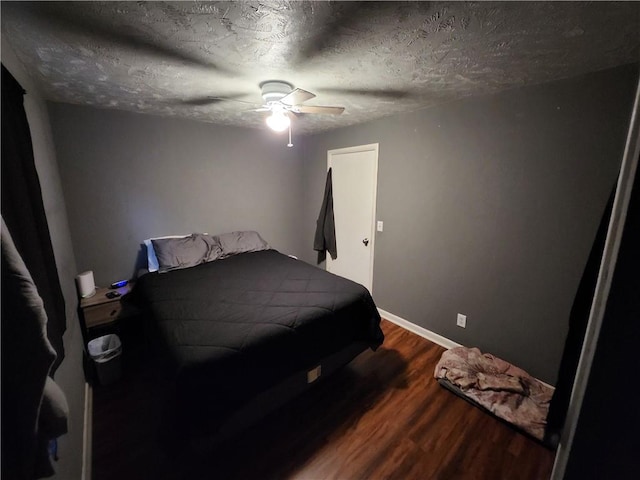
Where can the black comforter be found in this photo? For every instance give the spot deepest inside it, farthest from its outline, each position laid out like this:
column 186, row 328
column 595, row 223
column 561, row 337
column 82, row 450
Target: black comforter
column 234, row 327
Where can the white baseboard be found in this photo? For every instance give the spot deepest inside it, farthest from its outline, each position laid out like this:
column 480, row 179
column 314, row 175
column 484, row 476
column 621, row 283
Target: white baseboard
column 428, row 334
column 418, row 330
column 87, row 432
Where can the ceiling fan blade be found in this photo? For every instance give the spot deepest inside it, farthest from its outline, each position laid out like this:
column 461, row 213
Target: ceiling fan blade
column 297, row 96
column 390, row 94
column 317, row 109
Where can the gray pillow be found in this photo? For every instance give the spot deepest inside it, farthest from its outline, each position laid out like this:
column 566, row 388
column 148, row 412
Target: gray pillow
column 241, row 242
column 214, row 251
column 173, row 253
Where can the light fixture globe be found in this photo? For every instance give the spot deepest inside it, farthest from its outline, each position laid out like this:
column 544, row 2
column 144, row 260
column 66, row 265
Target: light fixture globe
column 278, row 121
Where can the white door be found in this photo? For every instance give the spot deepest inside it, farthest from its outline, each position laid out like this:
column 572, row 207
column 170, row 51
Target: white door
column 354, row 175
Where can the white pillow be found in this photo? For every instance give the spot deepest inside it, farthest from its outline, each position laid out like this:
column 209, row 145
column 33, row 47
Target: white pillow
column 152, row 260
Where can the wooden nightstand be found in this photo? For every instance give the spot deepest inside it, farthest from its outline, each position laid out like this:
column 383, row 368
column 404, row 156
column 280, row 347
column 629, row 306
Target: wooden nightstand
column 99, row 311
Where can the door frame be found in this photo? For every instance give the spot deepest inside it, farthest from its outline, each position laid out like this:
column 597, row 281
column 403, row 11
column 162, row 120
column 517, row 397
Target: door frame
column 374, row 147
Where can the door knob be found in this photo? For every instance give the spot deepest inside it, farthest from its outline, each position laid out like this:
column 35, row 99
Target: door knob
column 365, row 241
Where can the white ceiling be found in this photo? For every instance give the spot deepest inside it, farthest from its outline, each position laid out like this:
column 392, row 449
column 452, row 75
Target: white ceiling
column 374, row 58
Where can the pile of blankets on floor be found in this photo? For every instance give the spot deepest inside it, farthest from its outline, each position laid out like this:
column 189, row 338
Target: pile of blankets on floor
column 506, row 391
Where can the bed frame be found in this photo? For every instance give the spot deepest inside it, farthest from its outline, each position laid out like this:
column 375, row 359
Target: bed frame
column 276, row 397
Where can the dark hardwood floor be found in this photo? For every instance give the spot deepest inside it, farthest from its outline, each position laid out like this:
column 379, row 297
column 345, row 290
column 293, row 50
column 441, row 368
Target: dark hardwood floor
column 383, row 416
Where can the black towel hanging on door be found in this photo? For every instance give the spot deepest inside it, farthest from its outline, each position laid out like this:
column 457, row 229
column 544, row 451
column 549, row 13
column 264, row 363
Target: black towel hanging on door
column 325, row 238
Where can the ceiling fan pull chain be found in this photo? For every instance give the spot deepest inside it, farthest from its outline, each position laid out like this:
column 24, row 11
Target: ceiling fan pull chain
column 289, row 144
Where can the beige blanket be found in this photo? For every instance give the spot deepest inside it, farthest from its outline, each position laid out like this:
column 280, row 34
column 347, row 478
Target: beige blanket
column 505, row 390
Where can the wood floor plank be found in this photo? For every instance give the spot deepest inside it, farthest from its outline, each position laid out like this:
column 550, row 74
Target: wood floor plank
column 382, row 417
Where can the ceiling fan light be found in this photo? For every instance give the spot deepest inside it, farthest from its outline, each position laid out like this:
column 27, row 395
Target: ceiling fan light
column 278, row 121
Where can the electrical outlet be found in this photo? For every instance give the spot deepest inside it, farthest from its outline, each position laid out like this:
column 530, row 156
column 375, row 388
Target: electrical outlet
column 462, row 321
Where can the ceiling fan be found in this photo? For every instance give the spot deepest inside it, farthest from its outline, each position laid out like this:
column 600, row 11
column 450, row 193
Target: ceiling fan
column 280, row 98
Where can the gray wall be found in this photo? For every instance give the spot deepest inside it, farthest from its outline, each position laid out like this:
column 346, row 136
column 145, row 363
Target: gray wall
column 69, row 375
column 490, row 206
column 128, row 177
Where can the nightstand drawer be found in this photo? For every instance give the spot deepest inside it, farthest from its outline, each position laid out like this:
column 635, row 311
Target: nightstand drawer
column 100, row 310
column 101, row 314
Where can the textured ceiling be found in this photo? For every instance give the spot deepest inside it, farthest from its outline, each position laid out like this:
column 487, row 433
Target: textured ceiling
column 374, row 58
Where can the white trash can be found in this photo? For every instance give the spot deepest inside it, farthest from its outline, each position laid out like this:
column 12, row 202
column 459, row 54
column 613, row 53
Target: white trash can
column 106, row 352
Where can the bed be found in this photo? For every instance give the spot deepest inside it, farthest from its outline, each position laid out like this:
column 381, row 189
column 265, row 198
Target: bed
column 241, row 335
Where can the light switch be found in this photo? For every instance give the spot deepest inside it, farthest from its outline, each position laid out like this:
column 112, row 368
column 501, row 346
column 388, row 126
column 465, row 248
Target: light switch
column 379, row 226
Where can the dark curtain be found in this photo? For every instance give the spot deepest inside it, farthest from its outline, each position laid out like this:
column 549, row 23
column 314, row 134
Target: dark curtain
column 606, row 443
column 34, row 409
column 23, row 210
column 578, row 319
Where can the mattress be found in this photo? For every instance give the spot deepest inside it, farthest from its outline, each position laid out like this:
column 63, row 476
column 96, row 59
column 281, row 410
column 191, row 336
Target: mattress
column 229, row 329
